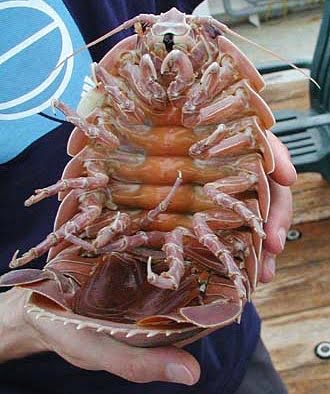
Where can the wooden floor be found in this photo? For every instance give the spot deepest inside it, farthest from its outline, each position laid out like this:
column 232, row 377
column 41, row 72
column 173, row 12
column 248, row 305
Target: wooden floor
column 295, row 307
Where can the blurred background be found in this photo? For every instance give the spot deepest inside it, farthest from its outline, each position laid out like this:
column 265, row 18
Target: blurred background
column 288, row 27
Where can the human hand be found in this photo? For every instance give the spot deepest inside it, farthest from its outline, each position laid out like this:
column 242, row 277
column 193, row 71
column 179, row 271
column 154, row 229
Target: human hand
column 22, row 335
column 280, row 214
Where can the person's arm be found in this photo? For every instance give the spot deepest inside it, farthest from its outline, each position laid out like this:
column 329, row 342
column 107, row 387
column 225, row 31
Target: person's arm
column 18, row 337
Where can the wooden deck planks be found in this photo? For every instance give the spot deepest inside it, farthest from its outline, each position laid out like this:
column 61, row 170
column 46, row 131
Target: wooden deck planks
column 292, row 338
column 311, row 198
column 295, row 307
column 311, row 379
column 313, row 245
column 287, row 89
column 296, row 289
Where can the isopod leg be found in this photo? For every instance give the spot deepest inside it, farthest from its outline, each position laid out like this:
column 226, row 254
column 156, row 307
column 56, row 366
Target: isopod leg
column 91, row 130
column 237, row 101
column 220, row 143
column 79, row 242
column 123, row 104
column 173, row 248
column 154, row 90
column 215, row 78
column 142, row 80
column 163, row 205
column 232, row 144
column 91, row 208
column 151, row 239
column 178, row 62
column 97, row 179
column 205, row 144
column 209, row 239
column 242, row 243
column 107, row 233
column 221, row 110
column 218, row 192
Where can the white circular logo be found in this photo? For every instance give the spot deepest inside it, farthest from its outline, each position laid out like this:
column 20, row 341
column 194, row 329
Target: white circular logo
column 27, row 100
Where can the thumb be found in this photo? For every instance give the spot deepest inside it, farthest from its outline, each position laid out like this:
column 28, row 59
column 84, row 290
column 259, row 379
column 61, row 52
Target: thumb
column 88, row 349
column 279, row 221
column 142, row 365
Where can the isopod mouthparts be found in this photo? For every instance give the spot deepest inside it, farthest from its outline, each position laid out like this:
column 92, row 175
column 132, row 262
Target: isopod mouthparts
column 163, row 225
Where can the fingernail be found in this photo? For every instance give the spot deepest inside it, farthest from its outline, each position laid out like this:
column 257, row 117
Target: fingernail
column 269, row 268
column 178, row 373
column 294, row 170
column 270, row 262
column 282, row 236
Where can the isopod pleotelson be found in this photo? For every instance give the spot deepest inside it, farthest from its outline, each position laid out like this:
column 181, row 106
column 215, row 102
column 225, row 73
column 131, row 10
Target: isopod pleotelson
column 160, row 229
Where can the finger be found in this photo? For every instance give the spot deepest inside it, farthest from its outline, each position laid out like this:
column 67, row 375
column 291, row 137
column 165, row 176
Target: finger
column 279, row 219
column 284, row 173
column 141, row 365
column 276, row 228
column 267, row 267
column 98, row 351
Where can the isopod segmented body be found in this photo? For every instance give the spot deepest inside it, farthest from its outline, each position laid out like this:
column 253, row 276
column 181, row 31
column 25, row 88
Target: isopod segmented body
column 160, row 228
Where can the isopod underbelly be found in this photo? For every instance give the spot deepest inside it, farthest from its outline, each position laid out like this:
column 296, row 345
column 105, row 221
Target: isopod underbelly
column 159, row 233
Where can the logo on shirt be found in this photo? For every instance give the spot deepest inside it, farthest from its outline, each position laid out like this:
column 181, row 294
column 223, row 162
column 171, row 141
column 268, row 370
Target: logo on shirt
column 38, row 40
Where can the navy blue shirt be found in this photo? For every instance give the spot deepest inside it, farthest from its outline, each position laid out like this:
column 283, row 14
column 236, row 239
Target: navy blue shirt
column 223, row 355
